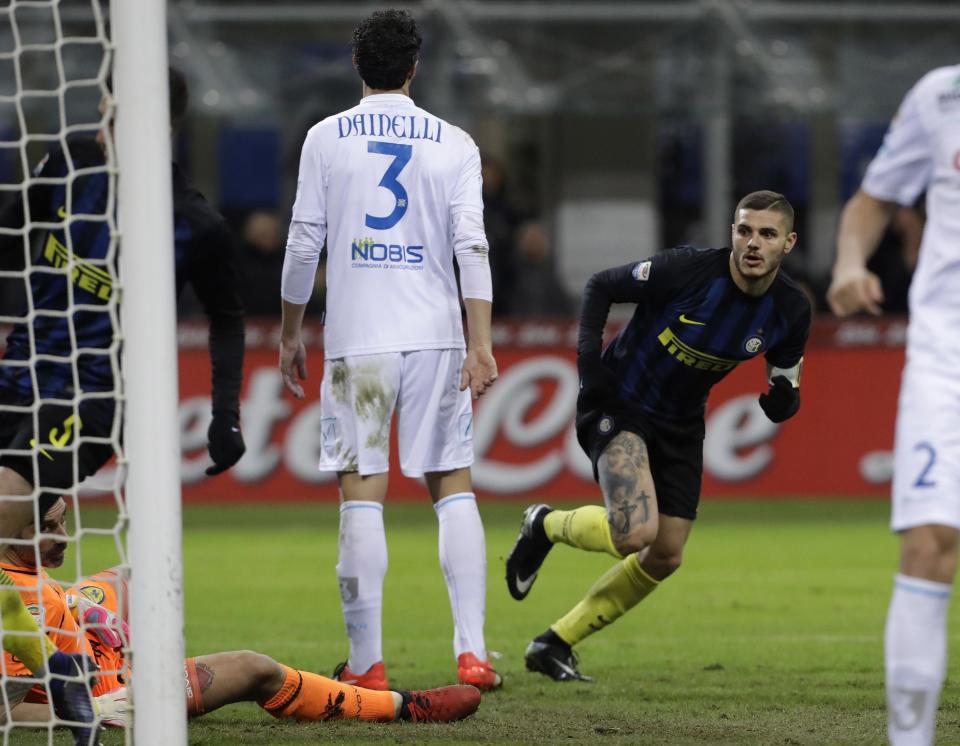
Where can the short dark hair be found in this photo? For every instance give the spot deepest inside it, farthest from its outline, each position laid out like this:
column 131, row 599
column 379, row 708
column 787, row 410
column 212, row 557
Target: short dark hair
column 179, row 98
column 768, row 200
column 386, row 46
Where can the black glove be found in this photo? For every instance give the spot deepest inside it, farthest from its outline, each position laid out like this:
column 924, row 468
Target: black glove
column 598, row 385
column 226, row 441
column 782, row 401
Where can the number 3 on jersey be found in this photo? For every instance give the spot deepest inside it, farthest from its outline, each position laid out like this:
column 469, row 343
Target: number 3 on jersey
column 401, row 157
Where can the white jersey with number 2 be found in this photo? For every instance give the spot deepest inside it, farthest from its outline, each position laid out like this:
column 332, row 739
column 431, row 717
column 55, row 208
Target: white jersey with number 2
column 921, row 152
column 395, row 192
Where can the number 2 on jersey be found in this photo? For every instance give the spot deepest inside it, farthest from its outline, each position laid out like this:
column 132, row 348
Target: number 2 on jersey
column 401, row 157
column 924, row 480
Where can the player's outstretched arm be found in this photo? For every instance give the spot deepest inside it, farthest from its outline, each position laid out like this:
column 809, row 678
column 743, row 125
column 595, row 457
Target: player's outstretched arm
column 480, row 367
column 853, row 287
column 293, row 355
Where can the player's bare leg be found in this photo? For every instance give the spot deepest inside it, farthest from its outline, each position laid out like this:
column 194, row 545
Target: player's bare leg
column 224, row 678
column 245, row 676
column 627, row 523
column 363, row 488
column 239, row 676
column 361, row 569
column 628, row 493
column 665, row 555
column 650, row 545
column 463, row 558
column 916, row 633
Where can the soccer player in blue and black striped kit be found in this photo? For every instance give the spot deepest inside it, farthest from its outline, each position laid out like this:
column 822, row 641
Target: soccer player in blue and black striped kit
column 640, row 413
column 66, row 352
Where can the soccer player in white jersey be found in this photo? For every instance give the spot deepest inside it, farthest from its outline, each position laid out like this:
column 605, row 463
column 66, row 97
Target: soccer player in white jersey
column 921, row 152
column 396, row 193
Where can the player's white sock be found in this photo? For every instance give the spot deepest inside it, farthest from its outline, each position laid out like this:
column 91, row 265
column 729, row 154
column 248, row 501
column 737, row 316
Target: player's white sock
column 463, row 558
column 362, row 565
column 916, row 658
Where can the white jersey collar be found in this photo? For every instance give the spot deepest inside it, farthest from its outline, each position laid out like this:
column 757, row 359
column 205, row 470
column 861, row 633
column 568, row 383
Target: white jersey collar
column 386, row 98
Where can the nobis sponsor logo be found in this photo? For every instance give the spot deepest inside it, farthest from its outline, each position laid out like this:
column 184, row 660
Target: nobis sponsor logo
column 366, row 253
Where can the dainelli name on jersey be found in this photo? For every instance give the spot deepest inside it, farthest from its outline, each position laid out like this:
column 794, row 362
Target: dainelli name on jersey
column 387, row 125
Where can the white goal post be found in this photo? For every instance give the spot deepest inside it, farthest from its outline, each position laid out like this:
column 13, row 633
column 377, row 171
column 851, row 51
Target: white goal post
column 148, row 309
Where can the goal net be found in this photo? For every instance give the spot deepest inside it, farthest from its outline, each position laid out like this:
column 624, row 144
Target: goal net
column 67, row 387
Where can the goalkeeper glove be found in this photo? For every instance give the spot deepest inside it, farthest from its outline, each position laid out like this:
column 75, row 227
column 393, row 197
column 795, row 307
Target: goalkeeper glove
column 226, row 441
column 115, row 708
column 107, row 626
column 782, row 401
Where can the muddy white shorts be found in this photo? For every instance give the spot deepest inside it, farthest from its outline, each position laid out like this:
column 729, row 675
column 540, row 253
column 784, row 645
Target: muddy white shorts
column 359, row 394
column 926, row 466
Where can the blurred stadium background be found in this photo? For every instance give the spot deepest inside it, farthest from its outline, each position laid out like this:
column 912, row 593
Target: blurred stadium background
column 610, row 130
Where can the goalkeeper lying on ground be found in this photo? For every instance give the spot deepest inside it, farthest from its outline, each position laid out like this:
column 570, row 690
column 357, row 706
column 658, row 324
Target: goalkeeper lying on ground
column 90, row 619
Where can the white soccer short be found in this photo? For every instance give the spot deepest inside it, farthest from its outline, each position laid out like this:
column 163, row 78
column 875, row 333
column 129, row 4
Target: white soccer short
column 358, row 396
column 926, row 467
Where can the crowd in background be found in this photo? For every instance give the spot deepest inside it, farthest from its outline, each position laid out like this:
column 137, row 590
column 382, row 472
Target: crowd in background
column 522, row 258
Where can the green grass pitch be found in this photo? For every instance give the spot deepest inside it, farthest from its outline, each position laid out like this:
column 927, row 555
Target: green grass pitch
column 771, row 633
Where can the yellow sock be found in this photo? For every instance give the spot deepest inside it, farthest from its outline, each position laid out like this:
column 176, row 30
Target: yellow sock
column 32, row 649
column 617, row 591
column 584, row 528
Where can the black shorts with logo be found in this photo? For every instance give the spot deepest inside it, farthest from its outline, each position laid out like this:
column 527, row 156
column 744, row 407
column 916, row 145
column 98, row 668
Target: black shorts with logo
column 675, row 450
column 62, row 440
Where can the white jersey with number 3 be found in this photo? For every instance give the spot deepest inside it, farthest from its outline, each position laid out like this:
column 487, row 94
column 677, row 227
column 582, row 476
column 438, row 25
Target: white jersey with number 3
column 921, row 151
column 395, row 191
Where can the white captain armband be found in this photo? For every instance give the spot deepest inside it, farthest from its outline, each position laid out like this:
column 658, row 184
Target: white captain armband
column 791, row 374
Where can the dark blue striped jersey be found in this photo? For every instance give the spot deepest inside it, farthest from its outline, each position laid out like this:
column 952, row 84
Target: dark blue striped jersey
column 72, row 279
column 691, row 327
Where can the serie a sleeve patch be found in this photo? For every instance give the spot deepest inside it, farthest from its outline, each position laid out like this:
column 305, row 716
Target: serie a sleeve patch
column 641, row 272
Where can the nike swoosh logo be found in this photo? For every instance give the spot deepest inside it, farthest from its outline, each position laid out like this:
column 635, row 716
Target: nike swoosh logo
column 685, row 320
column 524, row 585
column 61, row 212
column 566, row 669
column 235, row 429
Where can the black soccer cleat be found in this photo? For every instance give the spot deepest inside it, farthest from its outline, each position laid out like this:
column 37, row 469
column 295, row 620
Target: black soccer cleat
column 72, row 702
column 556, row 661
column 529, row 552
